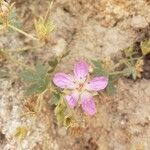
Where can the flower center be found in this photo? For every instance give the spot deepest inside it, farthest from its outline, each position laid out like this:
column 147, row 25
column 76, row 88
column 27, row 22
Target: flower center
column 80, row 87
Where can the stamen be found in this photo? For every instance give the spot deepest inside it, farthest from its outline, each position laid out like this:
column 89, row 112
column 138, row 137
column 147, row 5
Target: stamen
column 80, row 87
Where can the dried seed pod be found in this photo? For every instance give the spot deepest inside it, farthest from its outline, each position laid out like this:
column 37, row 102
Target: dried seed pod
column 139, row 67
column 75, row 129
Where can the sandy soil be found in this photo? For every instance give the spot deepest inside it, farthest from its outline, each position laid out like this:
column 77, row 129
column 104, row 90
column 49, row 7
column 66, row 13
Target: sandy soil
column 91, row 30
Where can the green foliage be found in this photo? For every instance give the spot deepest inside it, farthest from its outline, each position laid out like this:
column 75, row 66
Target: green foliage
column 127, row 71
column 43, row 28
column 60, row 111
column 13, row 18
column 130, row 69
column 98, row 69
column 8, row 14
column 53, row 63
column 145, row 47
column 56, row 96
column 129, row 51
column 38, row 80
column 111, row 87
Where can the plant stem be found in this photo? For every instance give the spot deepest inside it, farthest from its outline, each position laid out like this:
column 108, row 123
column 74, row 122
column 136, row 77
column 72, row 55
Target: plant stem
column 22, row 32
column 136, row 58
column 19, row 145
column 118, row 64
column 116, row 73
column 124, row 62
column 40, row 103
column 24, row 48
column 48, row 11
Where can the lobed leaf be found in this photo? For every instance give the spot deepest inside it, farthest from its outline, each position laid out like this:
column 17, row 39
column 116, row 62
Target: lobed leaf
column 40, row 69
column 98, row 69
column 111, row 87
column 127, row 72
column 29, row 76
column 38, row 80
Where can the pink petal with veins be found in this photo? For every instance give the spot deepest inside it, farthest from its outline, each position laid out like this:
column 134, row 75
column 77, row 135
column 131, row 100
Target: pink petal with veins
column 63, row 80
column 80, row 70
column 72, row 99
column 97, row 83
column 88, row 104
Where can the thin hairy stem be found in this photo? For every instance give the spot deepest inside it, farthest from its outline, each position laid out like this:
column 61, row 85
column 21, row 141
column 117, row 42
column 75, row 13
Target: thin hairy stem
column 39, row 104
column 22, row 32
column 116, row 73
column 48, row 11
column 24, row 48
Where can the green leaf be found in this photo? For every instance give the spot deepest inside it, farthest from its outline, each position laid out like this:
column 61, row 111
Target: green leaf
column 145, row 47
column 29, row 76
column 130, row 70
column 113, row 78
column 127, row 72
column 96, row 64
column 98, row 69
column 43, row 28
column 13, row 19
column 37, row 80
column 60, row 111
column 53, row 63
column 40, row 69
column 55, row 98
column 100, row 72
column 32, row 89
column 111, row 87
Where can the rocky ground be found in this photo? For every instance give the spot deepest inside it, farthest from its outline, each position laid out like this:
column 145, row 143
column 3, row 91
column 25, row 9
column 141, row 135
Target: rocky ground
column 89, row 29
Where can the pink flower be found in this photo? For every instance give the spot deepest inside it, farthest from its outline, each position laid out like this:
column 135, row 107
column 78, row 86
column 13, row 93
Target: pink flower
column 79, row 87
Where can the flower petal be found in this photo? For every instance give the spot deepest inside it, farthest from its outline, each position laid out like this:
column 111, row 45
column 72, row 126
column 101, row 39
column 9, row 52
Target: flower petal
column 72, row 99
column 88, row 104
column 63, row 80
column 98, row 83
column 80, row 70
